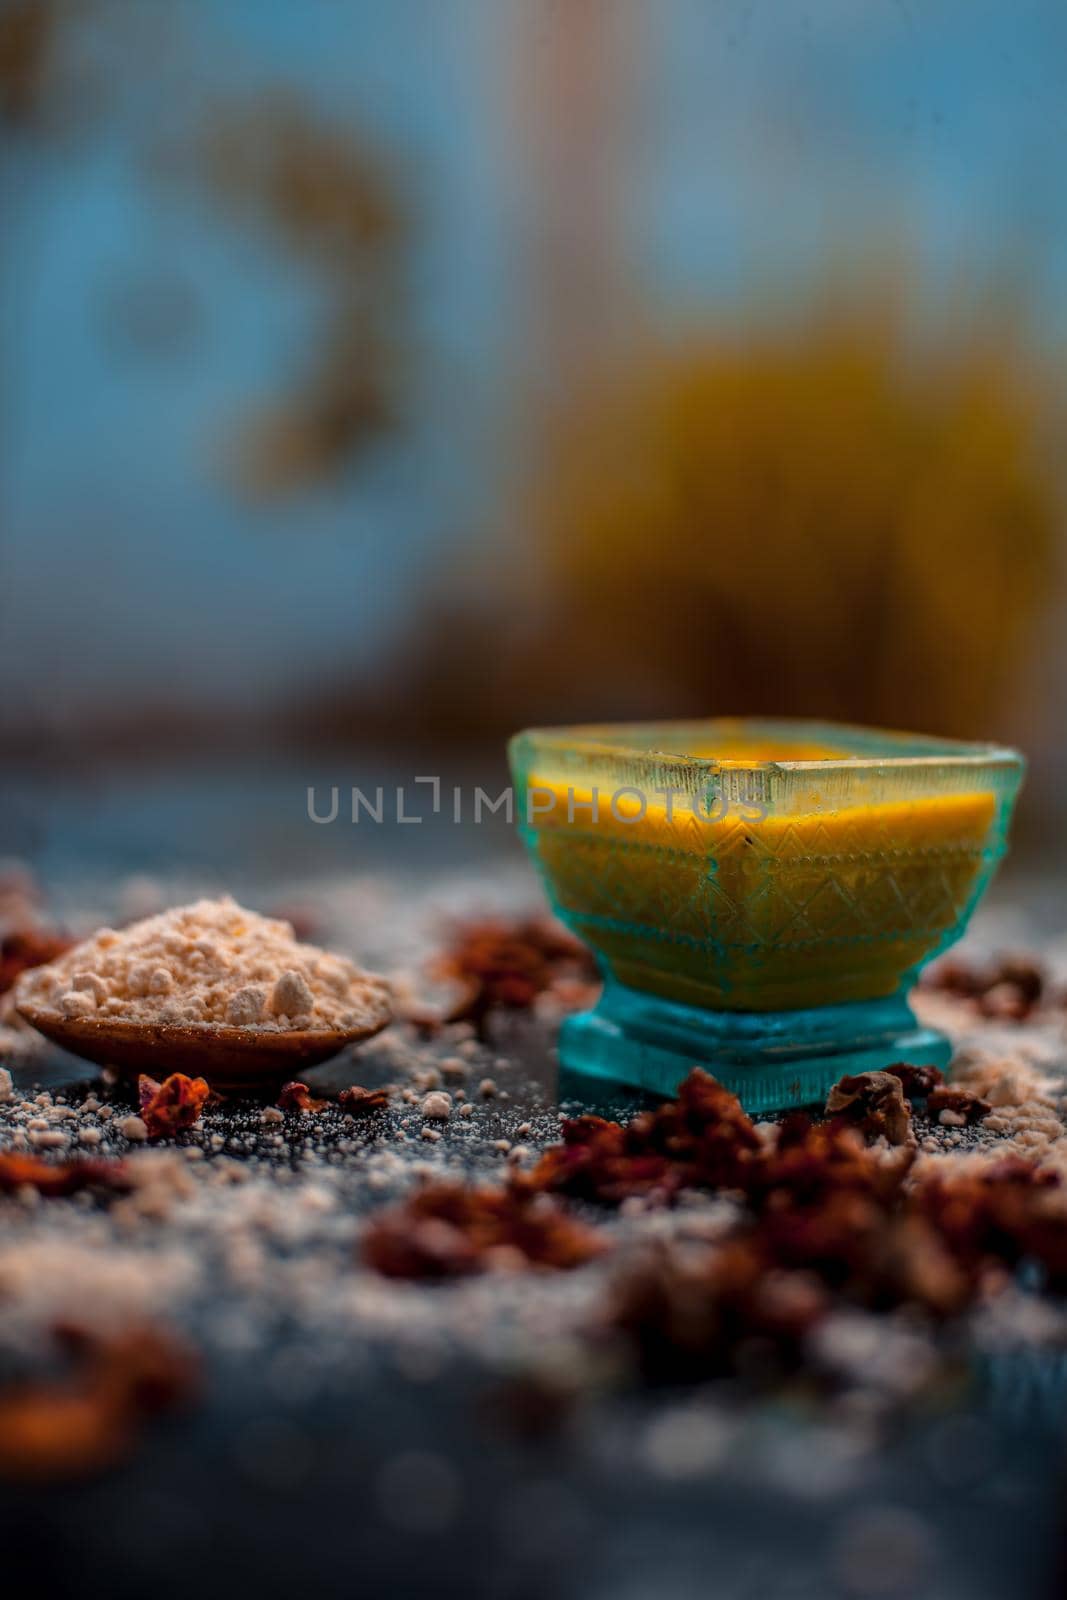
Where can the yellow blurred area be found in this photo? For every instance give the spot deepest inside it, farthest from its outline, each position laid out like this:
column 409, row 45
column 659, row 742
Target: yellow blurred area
column 814, row 521
column 761, row 912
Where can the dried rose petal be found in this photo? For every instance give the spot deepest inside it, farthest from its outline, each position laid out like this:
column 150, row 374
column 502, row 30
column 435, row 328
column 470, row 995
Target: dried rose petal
column 170, row 1106
column 29, row 947
column 506, row 965
column 449, row 1230
column 1006, row 989
column 1004, row 1213
column 1024, row 972
column 56, row 1431
column 701, row 1140
column 56, row 1179
column 957, row 976
column 359, row 1102
column 962, row 1102
column 297, row 1096
column 875, row 1103
column 916, row 1082
column 1003, row 1002
column 693, row 1320
column 811, row 1162
column 827, row 1222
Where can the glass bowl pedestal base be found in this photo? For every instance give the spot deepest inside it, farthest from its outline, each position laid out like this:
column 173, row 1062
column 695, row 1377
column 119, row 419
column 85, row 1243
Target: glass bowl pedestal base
column 772, row 1060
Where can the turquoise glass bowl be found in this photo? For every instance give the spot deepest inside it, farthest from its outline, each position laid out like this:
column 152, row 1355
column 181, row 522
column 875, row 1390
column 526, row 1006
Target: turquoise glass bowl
column 759, row 894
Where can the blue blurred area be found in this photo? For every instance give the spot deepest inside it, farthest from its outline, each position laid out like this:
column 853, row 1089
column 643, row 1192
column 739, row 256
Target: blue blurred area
column 129, row 563
column 752, row 148
column 780, row 135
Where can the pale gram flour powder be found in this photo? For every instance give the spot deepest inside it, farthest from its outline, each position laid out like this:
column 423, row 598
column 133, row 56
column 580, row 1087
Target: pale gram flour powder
column 208, row 963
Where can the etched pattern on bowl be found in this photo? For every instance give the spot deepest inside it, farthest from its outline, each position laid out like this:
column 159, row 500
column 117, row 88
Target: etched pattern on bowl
column 757, row 865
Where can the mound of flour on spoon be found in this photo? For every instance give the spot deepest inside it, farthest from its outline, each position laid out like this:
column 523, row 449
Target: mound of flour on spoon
column 210, row 963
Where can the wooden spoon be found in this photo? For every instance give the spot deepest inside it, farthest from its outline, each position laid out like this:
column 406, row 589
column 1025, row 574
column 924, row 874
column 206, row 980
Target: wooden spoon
column 233, row 1060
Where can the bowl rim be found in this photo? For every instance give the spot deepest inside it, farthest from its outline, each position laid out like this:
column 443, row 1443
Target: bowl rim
column 875, row 746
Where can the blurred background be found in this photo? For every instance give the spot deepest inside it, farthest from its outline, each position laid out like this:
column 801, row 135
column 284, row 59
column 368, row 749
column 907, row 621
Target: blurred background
column 380, row 376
